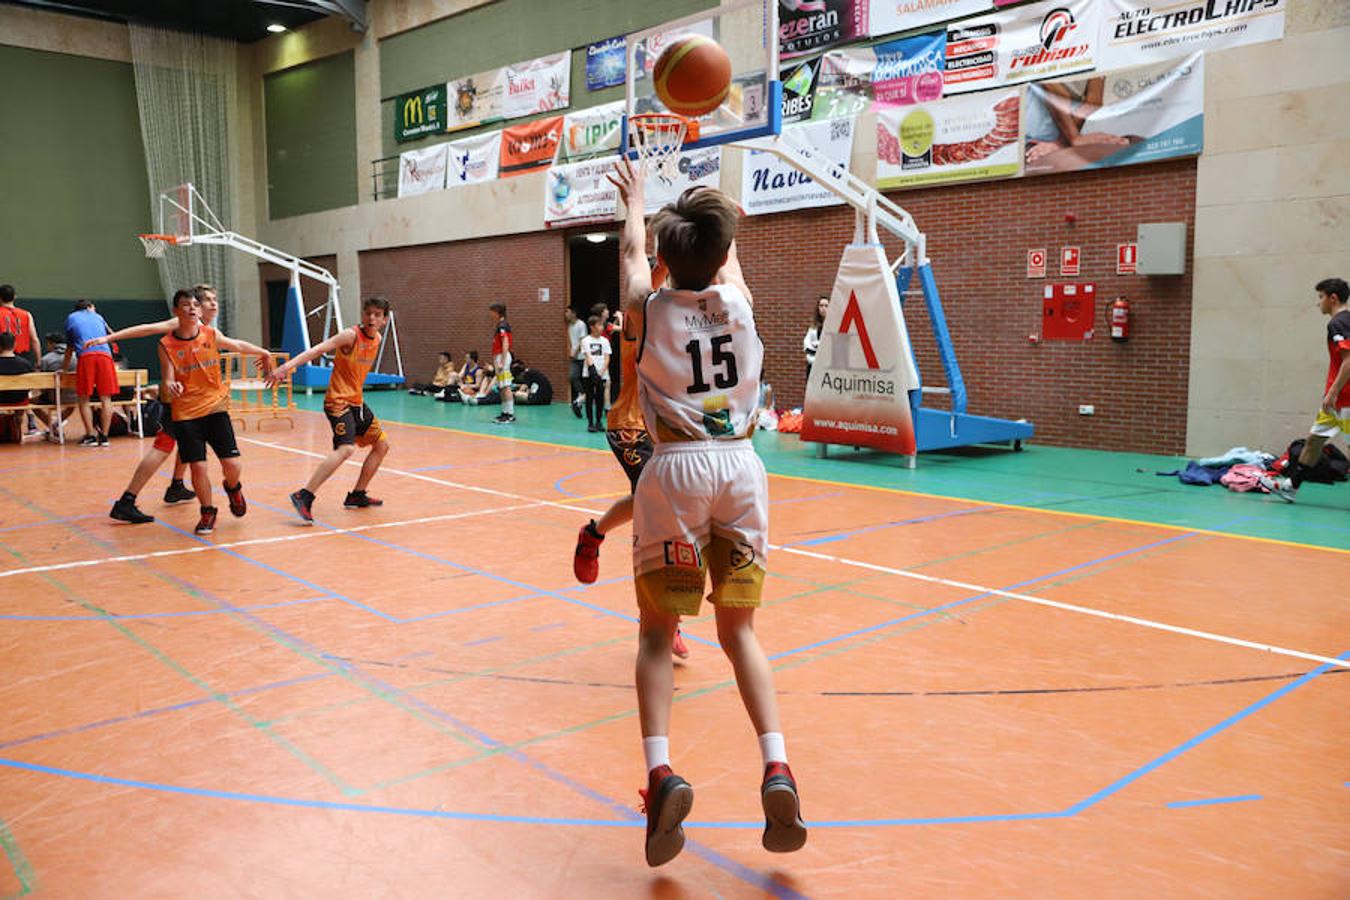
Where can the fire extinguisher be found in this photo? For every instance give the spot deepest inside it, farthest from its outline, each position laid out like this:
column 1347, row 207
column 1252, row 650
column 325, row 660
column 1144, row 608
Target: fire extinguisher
column 1118, row 316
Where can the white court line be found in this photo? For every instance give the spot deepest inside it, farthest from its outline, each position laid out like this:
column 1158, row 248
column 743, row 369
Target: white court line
column 532, row 502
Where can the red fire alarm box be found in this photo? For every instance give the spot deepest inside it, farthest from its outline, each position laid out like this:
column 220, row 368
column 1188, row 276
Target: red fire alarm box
column 1069, row 312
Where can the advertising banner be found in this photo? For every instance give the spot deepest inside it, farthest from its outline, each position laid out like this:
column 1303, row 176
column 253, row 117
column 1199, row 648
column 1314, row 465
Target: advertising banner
column 956, row 139
column 799, row 90
column 537, row 85
column 806, row 27
column 474, row 159
column 593, row 131
column 910, row 70
column 529, row 146
column 1124, row 117
column 605, row 65
column 1134, row 32
column 474, row 100
column 579, row 192
column 769, row 185
column 1024, row 43
column 858, row 390
column 844, row 85
column 422, row 170
column 420, row 113
column 703, row 167
column 890, row 16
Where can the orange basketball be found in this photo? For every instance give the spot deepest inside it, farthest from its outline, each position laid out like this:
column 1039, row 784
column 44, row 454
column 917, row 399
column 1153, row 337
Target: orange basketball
column 692, row 76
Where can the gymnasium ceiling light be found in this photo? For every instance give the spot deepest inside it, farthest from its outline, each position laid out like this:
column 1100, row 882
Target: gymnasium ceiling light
column 276, row 28
column 597, row 237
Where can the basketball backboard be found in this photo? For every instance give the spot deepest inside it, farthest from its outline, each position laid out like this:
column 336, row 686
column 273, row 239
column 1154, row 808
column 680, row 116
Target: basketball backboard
column 748, row 31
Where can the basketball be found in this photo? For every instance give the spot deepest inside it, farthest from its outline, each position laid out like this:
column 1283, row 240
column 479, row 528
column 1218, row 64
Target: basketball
column 692, row 75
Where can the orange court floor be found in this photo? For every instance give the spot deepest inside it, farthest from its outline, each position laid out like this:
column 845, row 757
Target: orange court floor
column 419, row 701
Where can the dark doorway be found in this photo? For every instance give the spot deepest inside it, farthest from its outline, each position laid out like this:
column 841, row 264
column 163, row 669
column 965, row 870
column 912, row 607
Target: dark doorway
column 593, row 271
column 276, row 313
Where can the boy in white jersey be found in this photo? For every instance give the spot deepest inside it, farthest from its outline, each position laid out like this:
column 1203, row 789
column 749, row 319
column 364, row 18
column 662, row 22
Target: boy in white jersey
column 701, row 505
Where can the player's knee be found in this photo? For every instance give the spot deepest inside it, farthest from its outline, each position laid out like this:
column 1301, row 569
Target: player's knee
column 344, row 451
column 735, row 628
column 380, row 448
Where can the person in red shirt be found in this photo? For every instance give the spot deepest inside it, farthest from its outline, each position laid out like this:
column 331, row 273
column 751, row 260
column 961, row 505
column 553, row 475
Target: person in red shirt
column 502, row 345
column 18, row 322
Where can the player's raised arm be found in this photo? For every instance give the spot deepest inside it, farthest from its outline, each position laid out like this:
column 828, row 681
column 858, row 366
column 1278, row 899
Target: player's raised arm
column 235, row 345
column 344, row 338
column 731, row 273
column 145, row 329
column 633, row 270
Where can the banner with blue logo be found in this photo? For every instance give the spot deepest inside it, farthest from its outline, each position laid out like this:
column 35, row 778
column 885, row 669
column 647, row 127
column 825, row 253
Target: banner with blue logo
column 605, row 64
column 770, row 185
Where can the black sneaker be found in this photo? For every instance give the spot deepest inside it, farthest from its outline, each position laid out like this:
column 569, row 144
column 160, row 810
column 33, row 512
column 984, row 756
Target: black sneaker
column 667, row 802
column 102, row 440
column 207, row 523
column 126, row 511
column 302, row 500
column 88, row 440
column 784, row 830
column 177, row 492
column 576, row 407
column 361, row 500
column 504, row 419
column 238, row 505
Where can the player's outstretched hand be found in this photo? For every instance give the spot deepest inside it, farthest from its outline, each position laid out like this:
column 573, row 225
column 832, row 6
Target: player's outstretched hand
column 628, row 179
column 277, row 375
column 95, row 342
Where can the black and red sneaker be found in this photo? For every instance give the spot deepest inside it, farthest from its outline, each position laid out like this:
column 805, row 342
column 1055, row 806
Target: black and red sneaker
column 586, row 558
column 784, row 830
column 238, row 505
column 667, row 802
column 360, row 500
column 302, row 500
column 207, row 523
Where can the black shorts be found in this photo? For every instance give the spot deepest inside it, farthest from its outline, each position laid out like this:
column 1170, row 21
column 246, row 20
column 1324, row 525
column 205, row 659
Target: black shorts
column 355, row 426
column 194, row 434
column 632, row 447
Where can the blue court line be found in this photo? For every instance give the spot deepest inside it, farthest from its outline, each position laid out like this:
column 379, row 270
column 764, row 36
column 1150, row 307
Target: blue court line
column 486, row 640
column 488, row 462
column 50, row 522
column 558, row 485
column 163, row 615
column 971, row 599
column 1213, row 801
column 845, row 535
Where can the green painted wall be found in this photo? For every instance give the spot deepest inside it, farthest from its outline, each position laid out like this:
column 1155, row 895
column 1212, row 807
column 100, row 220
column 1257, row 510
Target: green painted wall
column 72, row 178
column 506, row 32
column 311, row 136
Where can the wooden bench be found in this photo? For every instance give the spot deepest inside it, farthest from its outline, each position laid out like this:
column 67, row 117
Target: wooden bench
column 58, row 381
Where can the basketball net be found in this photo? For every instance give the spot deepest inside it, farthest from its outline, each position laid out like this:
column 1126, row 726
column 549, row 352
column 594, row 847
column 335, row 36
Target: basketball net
column 156, row 244
column 657, row 138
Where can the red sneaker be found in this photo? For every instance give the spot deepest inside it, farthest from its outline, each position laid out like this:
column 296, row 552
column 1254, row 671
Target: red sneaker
column 238, row 506
column 678, row 647
column 360, row 500
column 586, row 558
column 666, row 801
column 207, row 523
column 784, row 830
column 301, row 500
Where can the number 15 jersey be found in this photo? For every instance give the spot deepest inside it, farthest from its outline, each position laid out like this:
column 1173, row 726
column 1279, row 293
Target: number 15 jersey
column 699, row 364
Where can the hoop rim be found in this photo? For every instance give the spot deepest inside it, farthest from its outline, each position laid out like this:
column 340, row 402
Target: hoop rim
column 657, row 120
column 166, row 238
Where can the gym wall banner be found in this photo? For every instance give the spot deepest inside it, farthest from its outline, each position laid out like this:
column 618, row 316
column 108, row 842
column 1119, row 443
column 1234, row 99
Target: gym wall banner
column 579, row 193
column 474, row 100
column 858, row 389
column 420, row 113
column 1134, row 32
column 909, row 70
column 529, row 146
column 1025, row 43
column 537, row 85
column 962, row 138
column 605, row 66
column 890, row 16
column 806, row 27
column 474, row 159
column 701, row 167
column 799, row 89
column 1120, row 118
column 422, row 170
column 589, row 132
column 844, row 84
column 770, row 185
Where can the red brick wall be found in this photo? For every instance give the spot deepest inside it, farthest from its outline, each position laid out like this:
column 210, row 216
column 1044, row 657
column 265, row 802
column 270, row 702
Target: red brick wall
column 314, row 294
column 441, row 293
column 978, row 237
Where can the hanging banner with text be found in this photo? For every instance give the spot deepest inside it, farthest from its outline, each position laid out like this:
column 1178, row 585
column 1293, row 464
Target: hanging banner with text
column 1025, row 43
column 956, row 139
column 858, row 389
column 474, row 159
column 422, row 170
column 1135, row 32
column 530, row 146
column 808, row 27
column 605, row 64
column 1129, row 116
column 799, row 90
column 591, row 132
column 696, row 167
column 535, row 86
column 579, row 193
column 891, row 16
column 770, row 185
column 474, row 100
column 844, row 84
column 420, row 113
column 909, row 70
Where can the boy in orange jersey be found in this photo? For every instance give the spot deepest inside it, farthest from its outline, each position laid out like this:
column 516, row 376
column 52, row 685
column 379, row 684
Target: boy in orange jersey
column 189, row 363
column 354, row 352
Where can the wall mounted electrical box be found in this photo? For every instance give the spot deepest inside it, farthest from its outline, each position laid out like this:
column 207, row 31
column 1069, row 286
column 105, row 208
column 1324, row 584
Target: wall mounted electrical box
column 1162, row 248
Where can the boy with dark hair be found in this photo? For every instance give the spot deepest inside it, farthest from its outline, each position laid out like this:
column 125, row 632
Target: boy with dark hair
column 502, row 345
column 18, row 322
column 189, row 363
column 354, row 353
column 94, row 370
column 1333, row 414
column 701, row 505
column 444, row 377
column 595, row 351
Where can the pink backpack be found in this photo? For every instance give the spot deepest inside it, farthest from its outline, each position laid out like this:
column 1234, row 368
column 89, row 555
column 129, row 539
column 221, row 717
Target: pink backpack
column 1243, row 478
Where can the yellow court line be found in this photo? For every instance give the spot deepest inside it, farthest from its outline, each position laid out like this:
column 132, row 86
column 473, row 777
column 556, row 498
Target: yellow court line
column 876, row 487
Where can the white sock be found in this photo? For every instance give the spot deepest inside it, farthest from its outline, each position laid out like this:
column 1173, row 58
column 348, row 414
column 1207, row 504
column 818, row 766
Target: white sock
column 772, row 747
column 508, row 401
column 657, row 751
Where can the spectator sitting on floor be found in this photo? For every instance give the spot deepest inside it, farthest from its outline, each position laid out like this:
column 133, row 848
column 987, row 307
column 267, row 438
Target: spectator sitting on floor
column 12, row 419
column 445, row 376
column 531, row 386
column 468, row 374
column 484, row 392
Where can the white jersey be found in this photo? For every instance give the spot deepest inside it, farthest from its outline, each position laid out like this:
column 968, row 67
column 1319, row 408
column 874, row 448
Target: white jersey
column 699, row 365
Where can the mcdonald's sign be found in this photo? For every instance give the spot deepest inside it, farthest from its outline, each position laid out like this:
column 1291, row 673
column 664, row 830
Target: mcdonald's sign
column 420, row 113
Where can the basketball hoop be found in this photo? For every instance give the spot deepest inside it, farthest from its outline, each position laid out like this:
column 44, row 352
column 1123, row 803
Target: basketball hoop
column 657, row 138
column 156, row 244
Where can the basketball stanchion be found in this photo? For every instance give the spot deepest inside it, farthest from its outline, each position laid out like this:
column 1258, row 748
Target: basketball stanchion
column 249, row 394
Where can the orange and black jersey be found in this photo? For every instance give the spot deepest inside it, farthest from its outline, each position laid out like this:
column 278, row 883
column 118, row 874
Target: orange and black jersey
column 351, row 365
column 196, row 366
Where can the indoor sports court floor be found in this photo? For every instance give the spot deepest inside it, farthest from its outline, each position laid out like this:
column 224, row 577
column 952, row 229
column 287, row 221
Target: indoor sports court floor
column 1036, row 674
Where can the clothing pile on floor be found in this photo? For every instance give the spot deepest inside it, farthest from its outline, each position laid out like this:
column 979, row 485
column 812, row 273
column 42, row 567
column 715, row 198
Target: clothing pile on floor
column 1242, row 469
